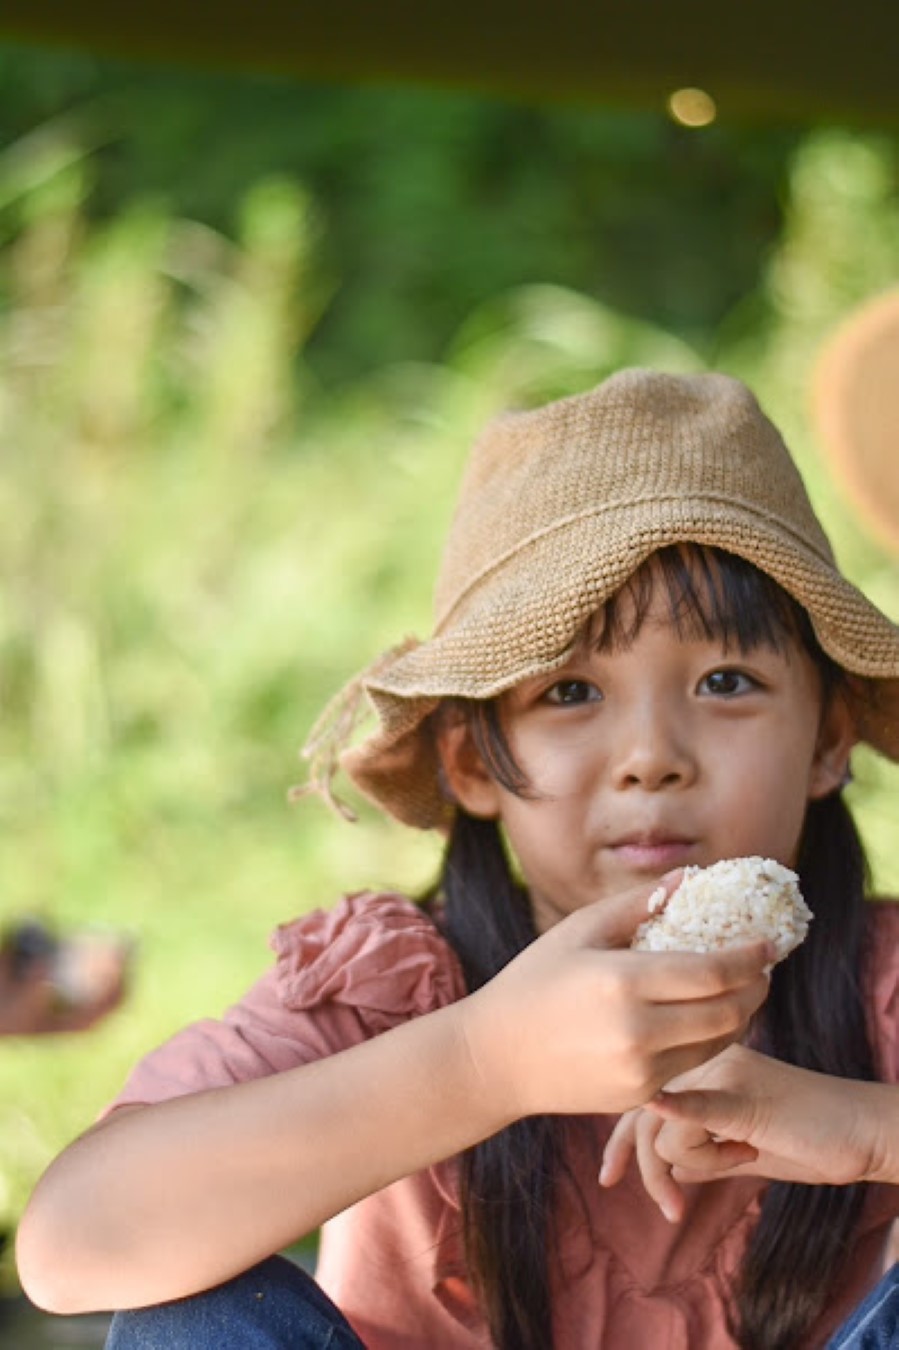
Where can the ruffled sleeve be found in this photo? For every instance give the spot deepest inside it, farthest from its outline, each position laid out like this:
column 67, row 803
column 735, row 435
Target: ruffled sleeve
column 883, row 933
column 377, row 953
column 340, row 977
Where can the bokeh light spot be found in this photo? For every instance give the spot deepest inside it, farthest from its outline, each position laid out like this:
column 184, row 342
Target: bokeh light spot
column 692, row 107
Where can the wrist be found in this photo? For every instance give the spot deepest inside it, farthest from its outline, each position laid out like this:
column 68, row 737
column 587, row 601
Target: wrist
column 879, row 1111
column 487, row 1079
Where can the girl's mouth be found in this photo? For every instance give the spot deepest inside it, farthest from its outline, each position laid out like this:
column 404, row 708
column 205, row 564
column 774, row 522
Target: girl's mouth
column 651, row 854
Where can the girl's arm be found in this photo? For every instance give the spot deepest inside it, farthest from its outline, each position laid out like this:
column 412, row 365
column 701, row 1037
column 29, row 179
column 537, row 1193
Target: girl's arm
column 161, row 1201
column 743, row 1113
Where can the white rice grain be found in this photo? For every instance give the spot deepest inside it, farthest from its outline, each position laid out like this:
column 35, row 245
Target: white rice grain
column 738, row 900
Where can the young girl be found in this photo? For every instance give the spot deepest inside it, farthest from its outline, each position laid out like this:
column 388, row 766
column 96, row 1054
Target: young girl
column 644, row 658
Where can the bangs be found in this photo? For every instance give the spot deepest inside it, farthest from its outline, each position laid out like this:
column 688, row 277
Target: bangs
column 712, row 596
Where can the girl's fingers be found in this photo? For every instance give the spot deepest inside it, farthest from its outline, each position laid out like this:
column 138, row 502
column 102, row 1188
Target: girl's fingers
column 668, row 1154
column 682, row 1024
column 708, row 1116
column 612, row 923
column 636, row 1132
column 710, row 1159
column 718, row 1111
column 656, row 1171
column 670, row 977
column 619, row 1149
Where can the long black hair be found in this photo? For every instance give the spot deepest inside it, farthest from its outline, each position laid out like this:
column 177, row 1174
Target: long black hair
column 814, row 1015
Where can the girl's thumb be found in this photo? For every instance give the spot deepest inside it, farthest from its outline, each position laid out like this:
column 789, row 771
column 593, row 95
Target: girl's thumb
column 615, row 921
column 718, row 1112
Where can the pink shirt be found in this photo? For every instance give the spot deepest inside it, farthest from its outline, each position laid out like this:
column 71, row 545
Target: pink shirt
column 393, row 1262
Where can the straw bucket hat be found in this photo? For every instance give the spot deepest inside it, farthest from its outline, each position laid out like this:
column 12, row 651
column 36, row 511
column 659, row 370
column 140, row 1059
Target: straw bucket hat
column 558, row 507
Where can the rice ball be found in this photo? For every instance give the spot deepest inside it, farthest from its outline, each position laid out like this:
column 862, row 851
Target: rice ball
column 737, row 900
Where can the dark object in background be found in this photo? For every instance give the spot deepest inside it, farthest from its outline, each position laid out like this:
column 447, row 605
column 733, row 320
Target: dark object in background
column 27, row 945
column 51, row 982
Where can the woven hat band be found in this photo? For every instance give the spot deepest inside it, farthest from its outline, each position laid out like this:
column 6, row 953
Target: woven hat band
column 662, row 439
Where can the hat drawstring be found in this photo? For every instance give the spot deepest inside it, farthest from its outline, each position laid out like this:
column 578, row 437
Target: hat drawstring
column 334, row 730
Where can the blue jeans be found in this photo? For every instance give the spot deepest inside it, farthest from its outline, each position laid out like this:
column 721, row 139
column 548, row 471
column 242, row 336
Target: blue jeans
column 274, row 1306
column 277, row 1306
column 875, row 1323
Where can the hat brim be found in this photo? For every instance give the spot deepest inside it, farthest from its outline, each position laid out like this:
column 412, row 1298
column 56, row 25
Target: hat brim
column 506, row 630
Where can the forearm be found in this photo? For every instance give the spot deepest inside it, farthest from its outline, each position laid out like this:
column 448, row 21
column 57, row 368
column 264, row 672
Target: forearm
column 173, row 1198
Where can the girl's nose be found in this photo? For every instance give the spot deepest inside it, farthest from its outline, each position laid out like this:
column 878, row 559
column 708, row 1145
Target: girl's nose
column 653, row 752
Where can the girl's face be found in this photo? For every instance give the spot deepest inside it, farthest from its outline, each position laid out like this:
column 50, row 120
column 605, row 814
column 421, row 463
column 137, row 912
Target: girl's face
column 665, row 751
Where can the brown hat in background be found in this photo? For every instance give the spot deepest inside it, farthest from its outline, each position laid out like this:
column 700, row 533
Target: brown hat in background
column 855, row 396
column 558, row 507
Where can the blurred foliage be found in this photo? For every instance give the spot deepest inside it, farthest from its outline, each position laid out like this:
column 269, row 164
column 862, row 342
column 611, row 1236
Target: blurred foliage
column 201, row 538
column 432, row 201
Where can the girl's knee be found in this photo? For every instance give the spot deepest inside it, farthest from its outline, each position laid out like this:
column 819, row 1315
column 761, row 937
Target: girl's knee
column 274, row 1306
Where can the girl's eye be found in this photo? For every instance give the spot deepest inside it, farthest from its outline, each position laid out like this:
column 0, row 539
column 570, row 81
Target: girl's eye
column 727, row 683
column 568, row 692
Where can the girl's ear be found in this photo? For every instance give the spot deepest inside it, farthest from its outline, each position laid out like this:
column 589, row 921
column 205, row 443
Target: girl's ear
column 464, row 772
column 836, row 736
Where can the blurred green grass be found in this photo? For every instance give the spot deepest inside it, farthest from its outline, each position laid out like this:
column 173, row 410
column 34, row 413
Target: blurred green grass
column 199, row 544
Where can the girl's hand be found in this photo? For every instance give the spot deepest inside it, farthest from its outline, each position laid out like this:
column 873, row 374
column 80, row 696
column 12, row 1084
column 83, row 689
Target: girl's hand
column 744, row 1113
column 579, row 1024
column 679, row 1157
